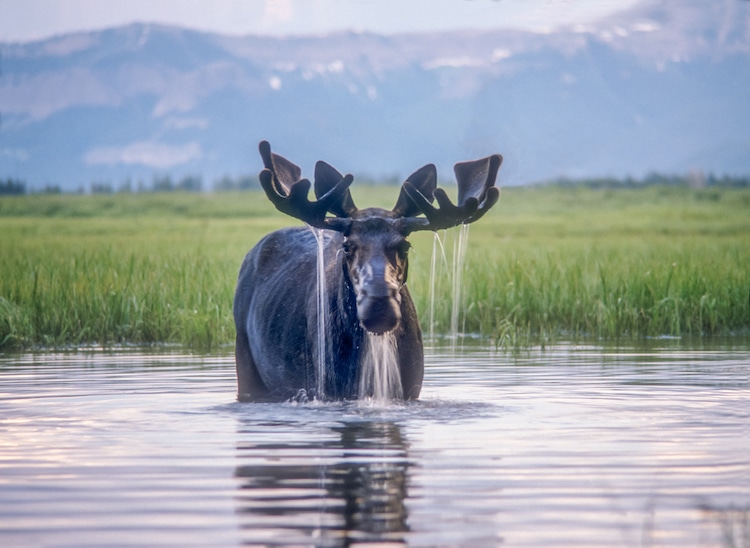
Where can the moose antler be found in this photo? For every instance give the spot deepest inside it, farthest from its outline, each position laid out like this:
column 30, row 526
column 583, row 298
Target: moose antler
column 282, row 182
column 326, row 179
column 476, row 195
column 288, row 192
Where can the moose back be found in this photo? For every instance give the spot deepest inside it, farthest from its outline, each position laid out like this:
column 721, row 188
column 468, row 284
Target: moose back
column 365, row 258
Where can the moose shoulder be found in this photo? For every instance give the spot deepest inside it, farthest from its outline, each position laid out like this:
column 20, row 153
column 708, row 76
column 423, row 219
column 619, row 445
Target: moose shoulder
column 365, row 262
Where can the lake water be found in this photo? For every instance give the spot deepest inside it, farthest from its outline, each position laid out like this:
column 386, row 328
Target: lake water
column 570, row 446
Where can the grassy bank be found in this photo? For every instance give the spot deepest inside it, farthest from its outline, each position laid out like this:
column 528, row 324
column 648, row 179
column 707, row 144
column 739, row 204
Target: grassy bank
column 545, row 263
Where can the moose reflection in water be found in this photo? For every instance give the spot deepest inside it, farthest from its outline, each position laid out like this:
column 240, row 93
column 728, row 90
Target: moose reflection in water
column 294, row 343
column 349, row 487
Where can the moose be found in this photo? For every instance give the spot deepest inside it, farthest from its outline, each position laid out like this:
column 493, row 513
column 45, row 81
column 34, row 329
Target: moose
column 365, row 261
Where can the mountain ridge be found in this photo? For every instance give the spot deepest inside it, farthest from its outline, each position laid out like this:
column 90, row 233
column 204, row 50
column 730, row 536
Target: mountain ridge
column 659, row 87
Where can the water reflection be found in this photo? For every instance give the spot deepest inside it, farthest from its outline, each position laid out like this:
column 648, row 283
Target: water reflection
column 733, row 523
column 573, row 446
column 341, row 484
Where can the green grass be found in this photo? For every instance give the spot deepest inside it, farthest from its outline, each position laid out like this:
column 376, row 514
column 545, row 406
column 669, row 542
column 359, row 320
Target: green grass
column 548, row 263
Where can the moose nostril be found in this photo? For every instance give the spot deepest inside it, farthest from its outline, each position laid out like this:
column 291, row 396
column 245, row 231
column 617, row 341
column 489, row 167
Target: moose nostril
column 380, row 292
column 379, row 315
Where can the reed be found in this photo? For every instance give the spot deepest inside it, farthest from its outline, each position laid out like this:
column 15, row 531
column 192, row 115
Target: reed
column 545, row 264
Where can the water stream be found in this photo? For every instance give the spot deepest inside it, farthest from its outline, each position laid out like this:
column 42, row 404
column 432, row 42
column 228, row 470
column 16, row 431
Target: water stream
column 322, row 311
column 380, row 379
column 455, row 278
column 460, row 244
column 436, row 242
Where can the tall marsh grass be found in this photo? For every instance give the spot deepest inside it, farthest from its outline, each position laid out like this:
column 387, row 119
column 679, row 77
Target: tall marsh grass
column 546, row 263
column 105, row 295
column 579, row 263
column 607, row 293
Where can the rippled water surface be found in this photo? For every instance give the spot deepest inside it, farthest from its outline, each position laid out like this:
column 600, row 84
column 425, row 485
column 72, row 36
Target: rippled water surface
column 571, row 446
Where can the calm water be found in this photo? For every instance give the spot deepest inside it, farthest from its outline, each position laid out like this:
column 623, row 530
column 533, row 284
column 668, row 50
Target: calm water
column 572, row 446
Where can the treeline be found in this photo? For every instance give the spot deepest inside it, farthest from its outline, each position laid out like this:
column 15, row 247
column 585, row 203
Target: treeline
column 696, row 179
column 195, row 183
column 12, row 186
column 159, row 183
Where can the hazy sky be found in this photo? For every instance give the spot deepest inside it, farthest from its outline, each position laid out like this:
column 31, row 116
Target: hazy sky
column 23, row 20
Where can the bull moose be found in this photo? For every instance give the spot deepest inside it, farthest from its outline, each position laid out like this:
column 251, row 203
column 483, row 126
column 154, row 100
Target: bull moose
column 365, row 262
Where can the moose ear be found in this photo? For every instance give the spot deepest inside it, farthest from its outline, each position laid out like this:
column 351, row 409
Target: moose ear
column 326, row 178
column 476, row 177
column 425, row 181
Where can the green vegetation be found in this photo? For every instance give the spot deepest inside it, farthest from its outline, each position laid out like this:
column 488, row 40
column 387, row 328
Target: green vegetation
column 554, row 262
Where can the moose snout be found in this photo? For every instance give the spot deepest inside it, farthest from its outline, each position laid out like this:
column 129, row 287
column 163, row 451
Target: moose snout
column 379, row 315
column 379, row 308
column 378, row 297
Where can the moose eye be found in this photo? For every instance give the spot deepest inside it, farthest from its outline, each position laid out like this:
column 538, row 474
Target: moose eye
column 348, row 247
column 403, row 249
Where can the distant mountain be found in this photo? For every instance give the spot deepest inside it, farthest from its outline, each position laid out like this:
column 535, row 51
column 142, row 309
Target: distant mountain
column 660, row 87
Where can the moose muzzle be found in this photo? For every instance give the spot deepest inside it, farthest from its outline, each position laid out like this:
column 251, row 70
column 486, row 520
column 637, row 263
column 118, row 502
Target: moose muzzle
column 378, row 299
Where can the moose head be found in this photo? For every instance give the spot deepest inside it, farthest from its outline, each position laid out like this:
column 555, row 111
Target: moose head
column 374, row 240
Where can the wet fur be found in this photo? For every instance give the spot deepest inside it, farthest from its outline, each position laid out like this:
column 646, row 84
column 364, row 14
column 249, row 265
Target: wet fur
column 275, row 312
